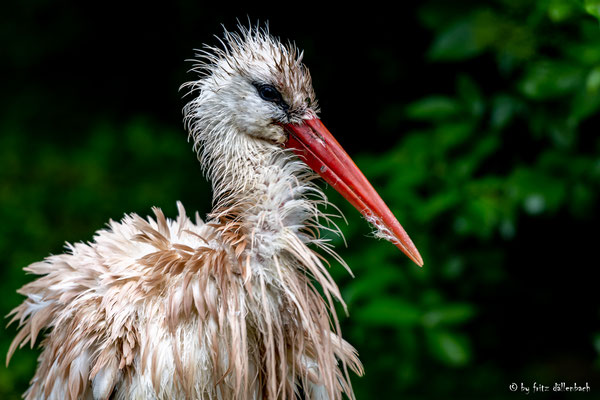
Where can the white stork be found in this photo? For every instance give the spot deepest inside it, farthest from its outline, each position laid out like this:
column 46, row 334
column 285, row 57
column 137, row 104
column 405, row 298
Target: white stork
column 225, row 309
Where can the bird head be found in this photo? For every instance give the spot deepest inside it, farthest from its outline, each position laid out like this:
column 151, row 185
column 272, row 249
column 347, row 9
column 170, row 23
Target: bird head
column 255, row 83
column 255, row 86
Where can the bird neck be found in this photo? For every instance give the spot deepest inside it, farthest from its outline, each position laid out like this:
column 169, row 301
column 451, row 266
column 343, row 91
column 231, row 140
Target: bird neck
column 259, row 184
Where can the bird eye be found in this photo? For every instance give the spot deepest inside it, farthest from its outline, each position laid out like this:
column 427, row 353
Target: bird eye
column 269, row 93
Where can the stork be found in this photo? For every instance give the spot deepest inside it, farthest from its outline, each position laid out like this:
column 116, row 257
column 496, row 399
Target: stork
column 238, row 307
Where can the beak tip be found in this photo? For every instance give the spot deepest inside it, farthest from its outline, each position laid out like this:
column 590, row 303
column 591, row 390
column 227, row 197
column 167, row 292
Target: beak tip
column 418, row 259
column 409, row 249
column 415, row 257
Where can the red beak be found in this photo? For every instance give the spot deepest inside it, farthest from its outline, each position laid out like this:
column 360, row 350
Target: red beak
column 316, row 145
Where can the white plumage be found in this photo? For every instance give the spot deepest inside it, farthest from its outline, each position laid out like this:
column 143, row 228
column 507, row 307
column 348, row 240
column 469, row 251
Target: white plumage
column 223, row 309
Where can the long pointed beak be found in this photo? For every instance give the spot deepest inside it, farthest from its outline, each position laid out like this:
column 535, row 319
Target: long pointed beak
column 316, row 145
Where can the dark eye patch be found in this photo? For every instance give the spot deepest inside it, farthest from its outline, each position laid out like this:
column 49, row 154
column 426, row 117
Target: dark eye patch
column 271, row 94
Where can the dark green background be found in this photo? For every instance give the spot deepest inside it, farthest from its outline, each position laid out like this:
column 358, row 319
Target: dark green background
column 477, row 121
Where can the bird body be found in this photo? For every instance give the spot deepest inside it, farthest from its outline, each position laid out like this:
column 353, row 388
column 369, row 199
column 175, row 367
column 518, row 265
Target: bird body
column 238, row 307
column 167, row 309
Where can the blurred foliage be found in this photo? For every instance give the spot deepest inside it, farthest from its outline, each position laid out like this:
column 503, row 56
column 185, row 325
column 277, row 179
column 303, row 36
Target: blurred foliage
column 512, row 142
column 516, row 139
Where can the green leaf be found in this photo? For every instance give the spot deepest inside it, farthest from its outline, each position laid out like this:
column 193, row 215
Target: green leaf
column 437, row 204
column 592, row 83
column 451, row 134
column 463, row 39
column 504, row 108
column 448, row 314
column 433, row 107
column 450, row 348
column 470, row 94
column 592, row 7
column 560, row 10
column 550, row 79
column 482, row 214
column 585, row 104
column 389, row 312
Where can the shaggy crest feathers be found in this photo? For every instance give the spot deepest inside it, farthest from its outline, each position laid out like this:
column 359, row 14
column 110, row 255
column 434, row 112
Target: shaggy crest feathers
column 224, row 309
column 253, row 53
